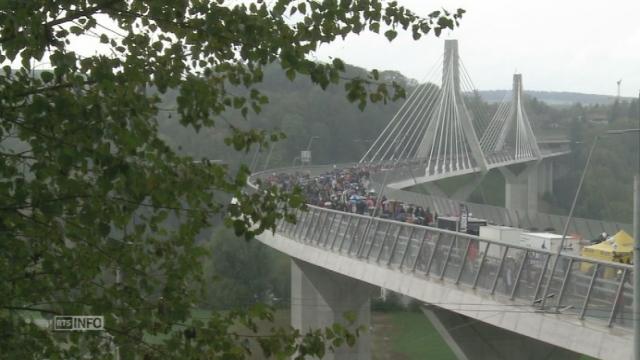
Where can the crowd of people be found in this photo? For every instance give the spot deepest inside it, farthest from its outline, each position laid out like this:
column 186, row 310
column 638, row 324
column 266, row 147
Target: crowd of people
column 351, row 190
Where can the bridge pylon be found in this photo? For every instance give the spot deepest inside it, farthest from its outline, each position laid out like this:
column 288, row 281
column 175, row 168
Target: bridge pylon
column 434, row 128
column 450, row 142
column 509, row 136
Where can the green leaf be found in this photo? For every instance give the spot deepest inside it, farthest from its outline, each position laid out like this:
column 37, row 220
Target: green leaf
column 76, row 30
column 46, row 76
column 390, row 34
column 291, row 74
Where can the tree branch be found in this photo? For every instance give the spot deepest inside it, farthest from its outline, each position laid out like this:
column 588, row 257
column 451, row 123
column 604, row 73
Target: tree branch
column 72, row 15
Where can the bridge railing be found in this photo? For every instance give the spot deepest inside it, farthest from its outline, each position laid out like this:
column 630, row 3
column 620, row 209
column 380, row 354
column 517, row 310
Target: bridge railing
column 586, row 289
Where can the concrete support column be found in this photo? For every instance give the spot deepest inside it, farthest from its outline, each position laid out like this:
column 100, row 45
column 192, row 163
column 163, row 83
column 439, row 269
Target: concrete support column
column 320, row 298
column 521, row 190
column 542, row 173
column 532, row 190
column 549, row 175
column 470, row 339
column 545, row 177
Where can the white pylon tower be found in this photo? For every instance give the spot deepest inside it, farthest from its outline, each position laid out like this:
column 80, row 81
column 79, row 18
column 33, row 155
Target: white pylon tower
column 434, row 126
column 450, row 143
column 509, row 135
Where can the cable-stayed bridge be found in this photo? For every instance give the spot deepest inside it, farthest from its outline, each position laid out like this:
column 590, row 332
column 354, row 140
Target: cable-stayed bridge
column 443, row 129
column 488, row 299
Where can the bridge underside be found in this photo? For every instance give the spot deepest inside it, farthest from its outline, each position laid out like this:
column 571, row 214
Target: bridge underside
column 471, row 339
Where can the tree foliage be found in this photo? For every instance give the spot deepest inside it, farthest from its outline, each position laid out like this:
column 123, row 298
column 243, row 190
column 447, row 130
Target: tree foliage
column 88, row 188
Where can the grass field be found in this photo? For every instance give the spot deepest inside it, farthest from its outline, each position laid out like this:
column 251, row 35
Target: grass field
column 407, row 335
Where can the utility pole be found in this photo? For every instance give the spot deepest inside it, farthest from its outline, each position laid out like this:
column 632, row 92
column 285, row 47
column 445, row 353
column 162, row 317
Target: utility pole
column 618, row 82
column 636, row 266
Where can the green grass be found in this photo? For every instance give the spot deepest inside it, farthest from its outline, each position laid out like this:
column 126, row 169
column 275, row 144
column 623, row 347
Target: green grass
column 404, row 335
column 416, row 338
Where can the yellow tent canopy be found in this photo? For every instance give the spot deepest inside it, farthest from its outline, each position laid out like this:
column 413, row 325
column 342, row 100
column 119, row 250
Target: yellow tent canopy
column 618, row 248
column 620, row 243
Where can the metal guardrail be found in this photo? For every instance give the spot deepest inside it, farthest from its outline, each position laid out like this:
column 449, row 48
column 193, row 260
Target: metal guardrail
column 588, row 289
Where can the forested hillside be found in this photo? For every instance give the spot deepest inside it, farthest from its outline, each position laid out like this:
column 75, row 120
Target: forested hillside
column 301, row 111
column 562, row 98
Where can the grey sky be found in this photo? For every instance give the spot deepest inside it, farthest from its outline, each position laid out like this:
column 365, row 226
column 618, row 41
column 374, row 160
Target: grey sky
column 582, row 46
column 558, row 45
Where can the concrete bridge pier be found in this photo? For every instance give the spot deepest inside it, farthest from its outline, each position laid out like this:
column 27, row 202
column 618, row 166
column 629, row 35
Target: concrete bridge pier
column 545, row 177
column 521, row 188
column 320, row 298
column 470, row 339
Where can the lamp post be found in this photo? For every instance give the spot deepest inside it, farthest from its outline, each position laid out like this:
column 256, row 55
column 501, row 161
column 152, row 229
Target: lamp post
column 305, row 155
column 311, row 141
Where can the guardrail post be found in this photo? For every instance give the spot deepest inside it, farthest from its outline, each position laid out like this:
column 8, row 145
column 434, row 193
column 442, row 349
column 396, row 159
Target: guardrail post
column 588, row 295
column 384, row 238
column 346, row 230
column 335, row 237
column 384, row 241
column 395, row 243
column 299, row 226
column 415, row 261
column 446, row 260
column 433, row 253
column 322, row 219
column 365, row 236
column 564, row 281
column 518, row 275
column 355, row 236
column 313, row 222
column 495, row 280
column 463, row 260
column 484, row 256
column 406, row 248
column 326, row 238
column 543, row 270
column 617, row 302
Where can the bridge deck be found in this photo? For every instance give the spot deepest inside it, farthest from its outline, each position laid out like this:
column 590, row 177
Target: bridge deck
column 419, row 172
column 589, row 304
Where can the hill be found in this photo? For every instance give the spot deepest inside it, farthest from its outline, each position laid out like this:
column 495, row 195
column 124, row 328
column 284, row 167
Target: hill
column 562, row 98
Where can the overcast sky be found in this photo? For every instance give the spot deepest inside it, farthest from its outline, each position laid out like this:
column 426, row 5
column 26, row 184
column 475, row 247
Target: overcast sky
column 569, row 45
